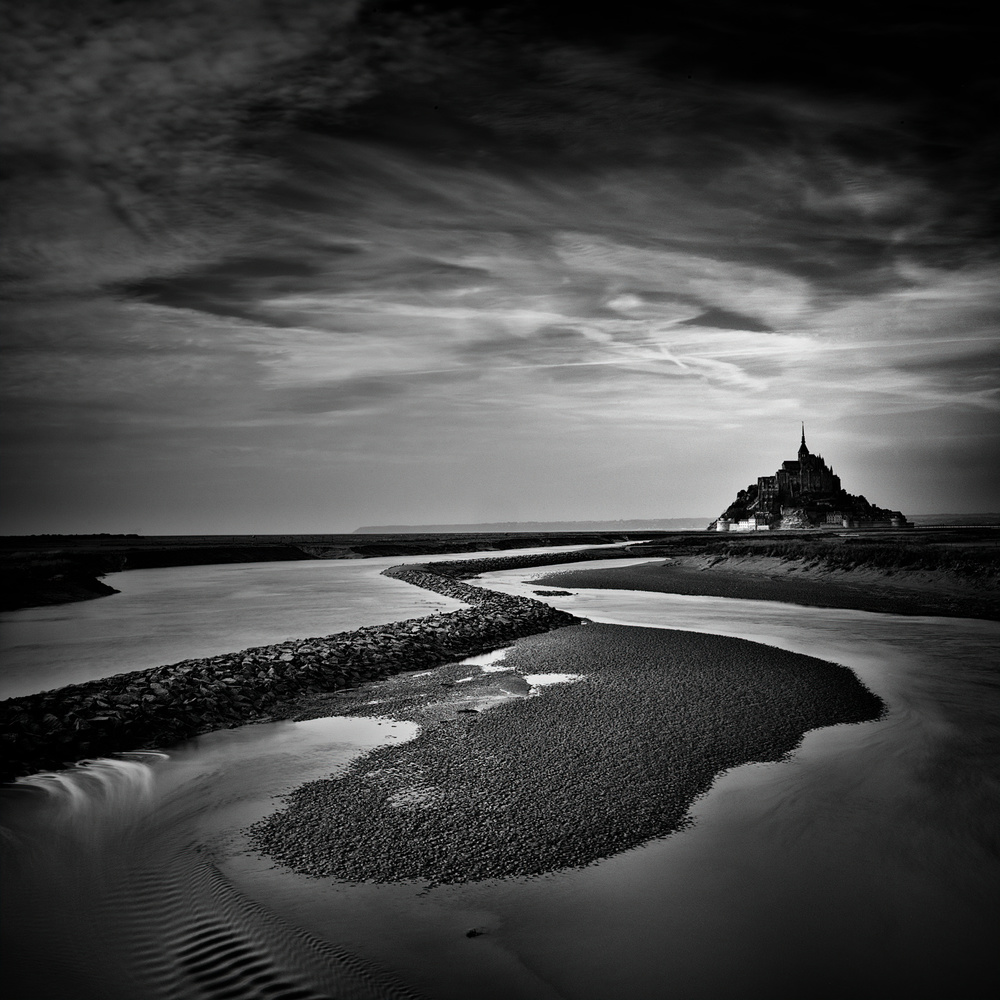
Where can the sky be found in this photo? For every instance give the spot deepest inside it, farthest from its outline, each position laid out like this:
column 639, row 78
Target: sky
column 307, row 265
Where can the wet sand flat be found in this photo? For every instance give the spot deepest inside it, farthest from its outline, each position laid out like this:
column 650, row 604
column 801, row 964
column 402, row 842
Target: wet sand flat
column 580, row 772
column 669, row 578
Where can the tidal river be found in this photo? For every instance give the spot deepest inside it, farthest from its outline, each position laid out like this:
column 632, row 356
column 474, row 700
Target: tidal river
column 864, row 865
column 179, row 612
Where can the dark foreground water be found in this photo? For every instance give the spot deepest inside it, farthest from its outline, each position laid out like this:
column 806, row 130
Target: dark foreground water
column 864, row 865
column 110, row 885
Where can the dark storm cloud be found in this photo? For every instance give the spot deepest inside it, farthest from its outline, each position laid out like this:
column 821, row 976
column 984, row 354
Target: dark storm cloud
column 723, row 319
column 829, row 189
column 357, row 393
column 138, row 133
column 229, row 288
column 243, row 288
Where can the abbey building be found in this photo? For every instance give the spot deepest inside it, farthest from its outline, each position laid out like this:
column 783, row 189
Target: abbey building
column 803, row 493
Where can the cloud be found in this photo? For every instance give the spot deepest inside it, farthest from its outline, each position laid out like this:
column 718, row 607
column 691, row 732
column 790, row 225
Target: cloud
column 125, row 126
column 463, row 269
column 723, row 319
column 358, row 394
column 332, row 241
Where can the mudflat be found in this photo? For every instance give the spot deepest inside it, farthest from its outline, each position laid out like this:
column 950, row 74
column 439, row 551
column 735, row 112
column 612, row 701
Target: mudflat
column 558, row 775
column 759, row 579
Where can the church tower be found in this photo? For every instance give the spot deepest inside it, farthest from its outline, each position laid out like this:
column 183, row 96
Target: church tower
column 803, row 450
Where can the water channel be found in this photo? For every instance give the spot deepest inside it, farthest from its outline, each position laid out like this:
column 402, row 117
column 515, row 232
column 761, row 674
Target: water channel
column 865, row 864
column 179, row 612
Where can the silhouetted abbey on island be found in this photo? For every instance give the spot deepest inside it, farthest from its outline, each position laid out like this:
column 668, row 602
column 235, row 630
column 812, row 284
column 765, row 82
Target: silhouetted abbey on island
column 803, row 493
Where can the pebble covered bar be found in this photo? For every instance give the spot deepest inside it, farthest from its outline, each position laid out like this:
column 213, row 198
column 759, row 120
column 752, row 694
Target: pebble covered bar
column 583, row 771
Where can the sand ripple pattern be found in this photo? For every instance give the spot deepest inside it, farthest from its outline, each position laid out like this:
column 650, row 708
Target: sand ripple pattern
column 110, row 899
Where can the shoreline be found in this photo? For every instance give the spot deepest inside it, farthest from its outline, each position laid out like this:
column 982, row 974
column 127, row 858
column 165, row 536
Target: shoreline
column 758, row 579
column 42, row 570
column 162, row 706
column 36, row 572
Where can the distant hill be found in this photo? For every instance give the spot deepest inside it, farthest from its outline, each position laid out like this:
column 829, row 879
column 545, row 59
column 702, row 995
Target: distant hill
column 956, row 519
column 654, row 524
column 636, row 524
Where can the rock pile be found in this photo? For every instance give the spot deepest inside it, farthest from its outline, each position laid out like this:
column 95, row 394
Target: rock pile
column 165, row 705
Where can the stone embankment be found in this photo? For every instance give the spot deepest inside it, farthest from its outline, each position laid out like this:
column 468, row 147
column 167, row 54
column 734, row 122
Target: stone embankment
column 466, row 569
column 54, row 569
column 162, row 706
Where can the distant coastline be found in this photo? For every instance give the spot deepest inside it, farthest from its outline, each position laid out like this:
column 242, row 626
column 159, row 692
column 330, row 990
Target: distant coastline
column 956, row 520
column 636, row 524
column 55, row 569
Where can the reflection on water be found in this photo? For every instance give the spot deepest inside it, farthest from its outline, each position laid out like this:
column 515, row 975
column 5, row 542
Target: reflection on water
column 864, row 865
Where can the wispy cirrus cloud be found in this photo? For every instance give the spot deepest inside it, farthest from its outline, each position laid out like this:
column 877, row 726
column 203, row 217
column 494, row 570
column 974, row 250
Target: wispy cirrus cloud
column 330, row 241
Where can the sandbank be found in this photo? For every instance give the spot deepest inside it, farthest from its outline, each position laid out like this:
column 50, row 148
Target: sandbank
column 581, row 772
column 789, row 581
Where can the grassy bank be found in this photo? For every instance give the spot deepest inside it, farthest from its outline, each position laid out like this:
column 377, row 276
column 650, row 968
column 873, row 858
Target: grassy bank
column 974, row 556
